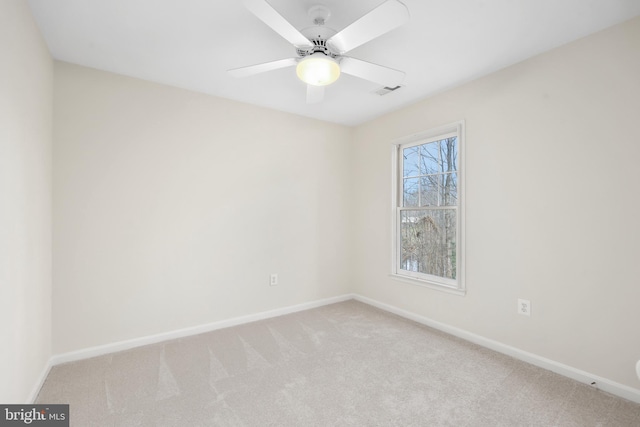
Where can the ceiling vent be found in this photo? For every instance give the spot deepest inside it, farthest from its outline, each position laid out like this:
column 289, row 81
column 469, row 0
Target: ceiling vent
column 385, row 90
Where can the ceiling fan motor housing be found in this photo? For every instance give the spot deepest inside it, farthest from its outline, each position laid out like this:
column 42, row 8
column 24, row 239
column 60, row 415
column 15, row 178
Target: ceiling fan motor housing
column 318, row 35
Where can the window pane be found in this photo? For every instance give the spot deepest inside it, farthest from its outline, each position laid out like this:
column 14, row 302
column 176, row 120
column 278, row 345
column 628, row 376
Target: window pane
column 449, row 153
column 430, row 190
column 410, row 192
column 411, row 161
column 430, row 161
column 428, row 242
column 449, row 189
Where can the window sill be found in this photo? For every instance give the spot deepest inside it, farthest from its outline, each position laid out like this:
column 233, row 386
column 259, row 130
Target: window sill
column 430, row 285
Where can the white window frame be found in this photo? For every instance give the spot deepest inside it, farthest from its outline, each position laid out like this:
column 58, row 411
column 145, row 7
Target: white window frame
column 455, row 286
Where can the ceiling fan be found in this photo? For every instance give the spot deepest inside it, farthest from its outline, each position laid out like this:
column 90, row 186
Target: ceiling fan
column 321, row 50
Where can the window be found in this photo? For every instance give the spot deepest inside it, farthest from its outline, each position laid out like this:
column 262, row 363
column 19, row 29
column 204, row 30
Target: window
column 428, row 218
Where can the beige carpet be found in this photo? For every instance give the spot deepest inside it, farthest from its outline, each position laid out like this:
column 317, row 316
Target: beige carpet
column 345, row 364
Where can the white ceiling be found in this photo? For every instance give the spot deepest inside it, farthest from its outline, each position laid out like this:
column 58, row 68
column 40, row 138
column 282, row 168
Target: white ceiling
column 191, row 43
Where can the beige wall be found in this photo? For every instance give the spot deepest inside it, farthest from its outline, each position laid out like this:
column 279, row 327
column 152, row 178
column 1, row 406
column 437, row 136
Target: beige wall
column 552, row 208
column 26, row 83
column 172, row 208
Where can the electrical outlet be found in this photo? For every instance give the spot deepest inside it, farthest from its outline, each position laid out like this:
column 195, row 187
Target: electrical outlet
column 524, row 307
column 274, row 279
column 638, row 369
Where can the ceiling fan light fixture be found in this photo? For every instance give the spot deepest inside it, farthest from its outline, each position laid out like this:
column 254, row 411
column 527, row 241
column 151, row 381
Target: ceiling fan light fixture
column 318, row 70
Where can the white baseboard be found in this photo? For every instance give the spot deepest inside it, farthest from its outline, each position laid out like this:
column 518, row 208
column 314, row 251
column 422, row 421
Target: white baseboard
column 195, row 330
column 603, row 384
column 39, row 383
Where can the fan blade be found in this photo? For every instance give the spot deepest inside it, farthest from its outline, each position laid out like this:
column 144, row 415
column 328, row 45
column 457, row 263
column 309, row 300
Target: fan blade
column 372, row 72
column 315, row 94
column 273, row 19
column 261, row 68
column 384, row 18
